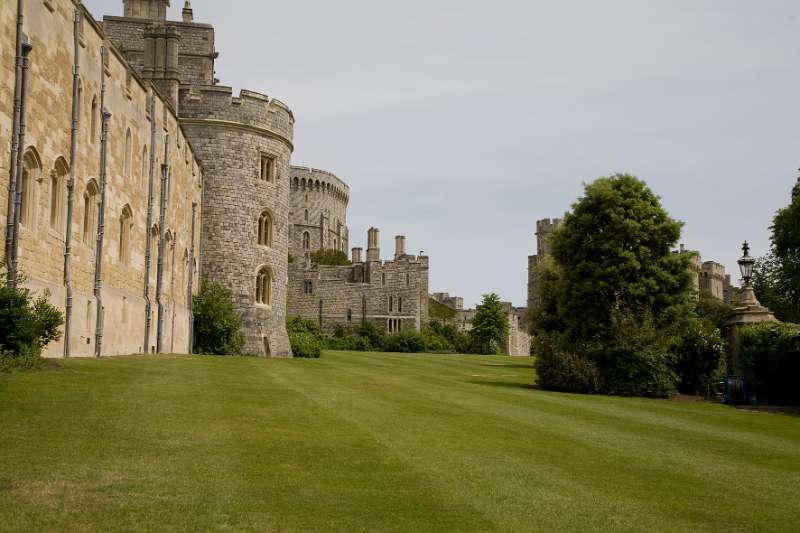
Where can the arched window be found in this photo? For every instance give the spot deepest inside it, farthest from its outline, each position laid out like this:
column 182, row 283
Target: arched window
column 58, row 192
column 90, row 209
column 305, row 215
column 93, row 118
column 306, row 241
column 265, row 229
column 296, row 183
column 169, row 245
column 126, row 165
column 31, row 170
column 264, row 287
column 125, row 227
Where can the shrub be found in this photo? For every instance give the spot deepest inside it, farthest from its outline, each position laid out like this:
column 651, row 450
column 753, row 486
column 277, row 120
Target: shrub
column 305, row 345
column 636, row 360
column 699, row 349
column 29, row 359
column 563, row 370
column 27, row 324
column 330, row 257
column 764, row 337
column 306, row 338
column 216, row 324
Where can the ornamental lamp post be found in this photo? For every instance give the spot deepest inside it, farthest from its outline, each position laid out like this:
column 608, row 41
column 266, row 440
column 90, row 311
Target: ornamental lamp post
column 746, row 264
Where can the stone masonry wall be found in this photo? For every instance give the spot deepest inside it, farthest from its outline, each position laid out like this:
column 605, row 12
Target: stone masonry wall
column 49, row 26
column 230, row 135
column 348, row 295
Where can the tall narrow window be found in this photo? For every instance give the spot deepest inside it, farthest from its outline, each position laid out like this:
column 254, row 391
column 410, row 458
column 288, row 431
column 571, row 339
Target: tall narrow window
column 31, row 169
column 267, row 168
column 265, row 229
column 93, row 119
column 391, row 303
column 125, row 227
column 90, row 209
column 264, row 287
column 126, row 165
column 305, row 214
column 58, row 192
column 399, row 304
column 306, row 241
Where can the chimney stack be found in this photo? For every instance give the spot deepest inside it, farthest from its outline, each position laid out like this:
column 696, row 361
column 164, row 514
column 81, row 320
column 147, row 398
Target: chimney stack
column 373, row 244
column 399, row 246
column 357, row 255
column 188, row 14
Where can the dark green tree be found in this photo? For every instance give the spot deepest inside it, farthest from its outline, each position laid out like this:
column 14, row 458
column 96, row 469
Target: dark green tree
column 216, row 324
column 490, row 326
column 614, row 252
column 777, row 275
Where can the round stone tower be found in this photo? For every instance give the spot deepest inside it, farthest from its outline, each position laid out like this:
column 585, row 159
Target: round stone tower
column 244, row 144
column 318, row 212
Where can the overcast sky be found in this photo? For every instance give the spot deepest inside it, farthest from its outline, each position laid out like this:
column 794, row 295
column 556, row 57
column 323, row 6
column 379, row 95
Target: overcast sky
column 460, row 123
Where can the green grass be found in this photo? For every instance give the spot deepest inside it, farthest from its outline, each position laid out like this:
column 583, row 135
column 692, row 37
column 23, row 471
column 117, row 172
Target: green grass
column 376, row 442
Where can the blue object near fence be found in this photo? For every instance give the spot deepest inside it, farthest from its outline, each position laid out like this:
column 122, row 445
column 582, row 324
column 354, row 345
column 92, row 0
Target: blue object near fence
column 735, row 390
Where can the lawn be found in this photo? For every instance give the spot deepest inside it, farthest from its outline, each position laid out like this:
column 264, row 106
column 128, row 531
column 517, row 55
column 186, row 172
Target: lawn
column 376, row 442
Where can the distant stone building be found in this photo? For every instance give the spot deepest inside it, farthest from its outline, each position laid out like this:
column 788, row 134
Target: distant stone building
column 544, row 232
column 518, row 342
column 709, row 277
column 455, row 302
column 390, row 294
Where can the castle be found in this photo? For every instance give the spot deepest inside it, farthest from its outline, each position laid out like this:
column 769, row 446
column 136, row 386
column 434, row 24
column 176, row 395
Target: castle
column 134, row 175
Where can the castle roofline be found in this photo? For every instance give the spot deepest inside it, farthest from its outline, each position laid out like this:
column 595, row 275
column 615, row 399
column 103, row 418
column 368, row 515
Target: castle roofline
column 319, row 173
column 145, row 22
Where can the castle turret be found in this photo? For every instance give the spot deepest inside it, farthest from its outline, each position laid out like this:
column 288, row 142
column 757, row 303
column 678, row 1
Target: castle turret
column 373, row 244
column 357, row 255
column 399, row 246
column 146, row 9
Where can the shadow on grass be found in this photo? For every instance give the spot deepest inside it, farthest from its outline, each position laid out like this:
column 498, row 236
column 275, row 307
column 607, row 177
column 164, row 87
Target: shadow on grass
column 505, row 384
column 503, row 365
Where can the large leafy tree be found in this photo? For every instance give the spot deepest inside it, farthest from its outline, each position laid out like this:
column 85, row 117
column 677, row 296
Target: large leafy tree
column 490, row 325
column 777, row 276
column 614, row 252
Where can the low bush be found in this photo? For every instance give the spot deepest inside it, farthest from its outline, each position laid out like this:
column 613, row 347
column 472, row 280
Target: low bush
column 762, row 338
column 27, row 325
column 330, row 257
column 217, row 328
column 305, row 345
column 563, row 370
column 699, row 351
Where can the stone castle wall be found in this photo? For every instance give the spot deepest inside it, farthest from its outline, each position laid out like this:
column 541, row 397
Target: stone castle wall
column 49, row 26
column 318, row 210
column 389, row 294
column 544, row 232
column 231, row 136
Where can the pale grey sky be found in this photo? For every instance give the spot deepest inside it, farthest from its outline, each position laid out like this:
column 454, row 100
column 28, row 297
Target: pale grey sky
column 460, row 123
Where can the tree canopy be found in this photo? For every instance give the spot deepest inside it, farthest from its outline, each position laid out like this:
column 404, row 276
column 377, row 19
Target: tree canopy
column 777, row 275
column 614, row 251
column 490, row 325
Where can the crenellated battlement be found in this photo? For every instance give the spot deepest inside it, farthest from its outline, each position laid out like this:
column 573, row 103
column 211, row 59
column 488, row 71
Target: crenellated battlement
column 216, row 104
column 307, row 179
